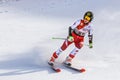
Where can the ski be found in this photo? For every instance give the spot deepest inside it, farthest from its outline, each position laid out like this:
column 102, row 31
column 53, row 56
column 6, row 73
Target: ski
column 55, row 68
column 81, row 70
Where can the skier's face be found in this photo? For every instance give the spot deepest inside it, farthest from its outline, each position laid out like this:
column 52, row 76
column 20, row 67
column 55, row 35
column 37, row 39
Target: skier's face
column 87, row 19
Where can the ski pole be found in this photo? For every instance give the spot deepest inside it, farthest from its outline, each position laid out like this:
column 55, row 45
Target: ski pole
column 59, row 38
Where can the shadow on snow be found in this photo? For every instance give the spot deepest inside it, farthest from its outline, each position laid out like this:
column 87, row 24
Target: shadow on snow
column 24, row 63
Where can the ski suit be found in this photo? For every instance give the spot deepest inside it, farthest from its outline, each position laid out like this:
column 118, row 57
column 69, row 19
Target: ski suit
column 77, row 31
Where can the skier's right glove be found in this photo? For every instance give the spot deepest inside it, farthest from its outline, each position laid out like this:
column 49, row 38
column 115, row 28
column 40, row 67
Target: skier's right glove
column 70, row 38
column 90, row 45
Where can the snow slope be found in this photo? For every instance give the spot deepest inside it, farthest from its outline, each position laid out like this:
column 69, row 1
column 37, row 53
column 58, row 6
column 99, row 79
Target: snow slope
column 26, row 29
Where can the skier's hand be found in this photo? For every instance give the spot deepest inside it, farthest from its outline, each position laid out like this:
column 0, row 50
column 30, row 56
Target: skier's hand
column 90, row 45
column 70, row 38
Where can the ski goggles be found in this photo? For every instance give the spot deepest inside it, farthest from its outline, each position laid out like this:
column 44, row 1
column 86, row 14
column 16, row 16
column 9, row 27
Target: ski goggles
column 87, row 18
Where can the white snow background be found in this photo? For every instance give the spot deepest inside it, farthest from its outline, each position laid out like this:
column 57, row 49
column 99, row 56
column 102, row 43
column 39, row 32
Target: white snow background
column 26, row 44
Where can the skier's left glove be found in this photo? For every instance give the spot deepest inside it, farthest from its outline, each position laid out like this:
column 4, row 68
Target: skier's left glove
column 90, row 45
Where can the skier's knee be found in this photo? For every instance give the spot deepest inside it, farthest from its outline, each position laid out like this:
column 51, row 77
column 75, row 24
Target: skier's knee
column 79, row 46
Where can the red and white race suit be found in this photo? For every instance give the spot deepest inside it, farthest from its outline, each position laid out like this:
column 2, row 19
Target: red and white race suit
column 80, row 28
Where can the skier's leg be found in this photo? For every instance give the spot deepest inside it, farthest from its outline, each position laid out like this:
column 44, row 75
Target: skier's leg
column 57, row 53
column 65, row 44
column 54, row 56
column 71, row 56
column 78, row 46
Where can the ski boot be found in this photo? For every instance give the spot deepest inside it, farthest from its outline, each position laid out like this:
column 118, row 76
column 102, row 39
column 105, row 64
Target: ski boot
column 53, row 58
column 68, row 61
column 51, row 62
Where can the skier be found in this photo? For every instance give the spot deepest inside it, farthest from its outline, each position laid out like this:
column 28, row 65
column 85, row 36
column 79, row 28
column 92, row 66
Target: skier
column 76, row 35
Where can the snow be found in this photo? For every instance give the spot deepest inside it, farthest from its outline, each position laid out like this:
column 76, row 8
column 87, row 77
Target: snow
column 26, row 44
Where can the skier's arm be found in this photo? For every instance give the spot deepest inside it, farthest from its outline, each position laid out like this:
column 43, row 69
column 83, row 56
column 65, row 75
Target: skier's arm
column 90, row 41
column 70, row 31
column 90, row 36
column 70, row 38
column 71, row 28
